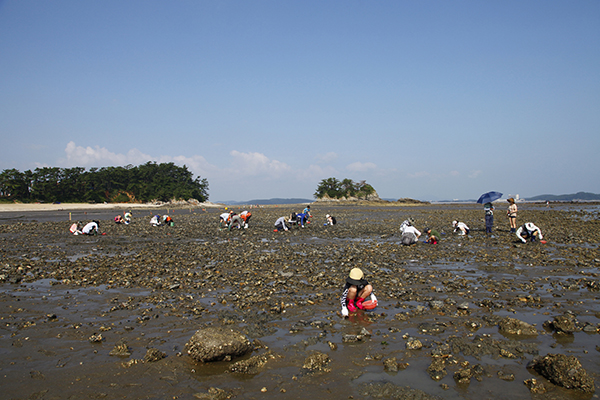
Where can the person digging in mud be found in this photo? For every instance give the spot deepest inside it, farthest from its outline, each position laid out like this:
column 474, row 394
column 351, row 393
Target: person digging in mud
column 127, row 217
column 280, row 224
column 91, row 228
column 529, row 231
column 224, row 219
column 410, row 234
column 168, row 220
column 330, row 220
column 155, row 220
column 406, row 223
column 246, row 215
column 357, row 289
column 433, row 236
column 119, row 220
column 302, row 218
column 236, row 220
column 75, row 229
column 461, row 227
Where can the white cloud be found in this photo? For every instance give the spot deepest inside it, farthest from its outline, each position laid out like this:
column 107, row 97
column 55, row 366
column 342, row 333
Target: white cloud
column 100, row 156
column 361, row 167
column 475, row 174
column 257, row 164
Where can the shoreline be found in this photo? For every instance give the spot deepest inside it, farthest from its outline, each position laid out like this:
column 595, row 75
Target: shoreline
column 23, row 207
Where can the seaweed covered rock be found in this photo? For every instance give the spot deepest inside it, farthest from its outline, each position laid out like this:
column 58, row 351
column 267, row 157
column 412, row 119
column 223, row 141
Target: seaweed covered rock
column 216, row 344
column 512, row 326
column 565, row 371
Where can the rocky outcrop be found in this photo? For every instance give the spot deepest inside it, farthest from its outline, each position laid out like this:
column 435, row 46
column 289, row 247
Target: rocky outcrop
column 216, row 344
column 326, row 199
column 565, row 371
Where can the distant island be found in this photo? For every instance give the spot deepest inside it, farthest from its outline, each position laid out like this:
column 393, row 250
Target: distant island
column 581, row 196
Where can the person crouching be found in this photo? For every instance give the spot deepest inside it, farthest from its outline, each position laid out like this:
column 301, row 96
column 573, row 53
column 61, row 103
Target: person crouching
column 356, row 290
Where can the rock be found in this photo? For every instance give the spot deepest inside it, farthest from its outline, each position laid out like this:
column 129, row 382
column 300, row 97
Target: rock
column 214, row 394
column 153, row 355
column 390, row 364
column 535, row 386
column 437, row 368
column 252, row 365
column 565, row 371
column 512, row 326
column 562, row 324
column 414, row 344
column 121, row 349
column 316, row 362
column 216, row 344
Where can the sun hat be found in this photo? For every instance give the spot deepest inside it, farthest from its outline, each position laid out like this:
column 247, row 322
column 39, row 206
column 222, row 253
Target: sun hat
column 510, row 200
column 454, row 223
column 327, row 216
column 355, row 276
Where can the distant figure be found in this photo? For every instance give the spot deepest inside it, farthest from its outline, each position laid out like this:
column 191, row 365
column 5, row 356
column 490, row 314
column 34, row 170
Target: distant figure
column 356, row 291
column 461, row 227
column 301, row 219
column 127, row 217
column 529, row 231
column 75, row 229
column 155, row 220
column 489, row 217
column 434, row 236
column 91, row 228
column 246, row 215
column 406, row 223
column 224, row 219
column 306, row 212
column 168, row 220
column 280, row 224
column 119, row 220
column 511, row 213
column 410, row 234
column 236, row 220
column 330, row 220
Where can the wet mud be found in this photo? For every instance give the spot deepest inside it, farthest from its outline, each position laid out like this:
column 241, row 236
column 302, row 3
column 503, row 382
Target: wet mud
column 109, row 316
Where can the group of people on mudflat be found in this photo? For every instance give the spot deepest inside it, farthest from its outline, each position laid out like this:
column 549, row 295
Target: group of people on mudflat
column 527, row 231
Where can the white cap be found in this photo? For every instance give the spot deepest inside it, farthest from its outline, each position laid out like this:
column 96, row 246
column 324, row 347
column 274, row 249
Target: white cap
column 327, row 216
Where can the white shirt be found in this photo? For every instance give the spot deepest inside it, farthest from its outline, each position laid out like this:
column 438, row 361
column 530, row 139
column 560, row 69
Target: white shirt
column 89, row 228
column 412, row 229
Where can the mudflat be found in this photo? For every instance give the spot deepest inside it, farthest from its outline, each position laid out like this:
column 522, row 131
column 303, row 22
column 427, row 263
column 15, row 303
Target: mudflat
column 462, row 319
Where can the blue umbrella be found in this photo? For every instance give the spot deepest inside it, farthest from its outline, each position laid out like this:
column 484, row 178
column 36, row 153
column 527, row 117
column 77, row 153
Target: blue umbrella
column 489, row 197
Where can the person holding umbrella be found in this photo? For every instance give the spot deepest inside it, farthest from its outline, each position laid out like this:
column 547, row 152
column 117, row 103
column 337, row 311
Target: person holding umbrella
column 486, row 199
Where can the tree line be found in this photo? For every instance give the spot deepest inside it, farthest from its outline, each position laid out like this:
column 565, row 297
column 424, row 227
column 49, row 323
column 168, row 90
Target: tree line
column 345, row 188
column 143, row 183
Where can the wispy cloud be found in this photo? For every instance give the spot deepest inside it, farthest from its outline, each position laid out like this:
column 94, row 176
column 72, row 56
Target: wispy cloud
column 475, row 174
column 257, row 164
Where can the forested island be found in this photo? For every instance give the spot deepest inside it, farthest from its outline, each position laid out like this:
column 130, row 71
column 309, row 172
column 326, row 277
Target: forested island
column 130, row 184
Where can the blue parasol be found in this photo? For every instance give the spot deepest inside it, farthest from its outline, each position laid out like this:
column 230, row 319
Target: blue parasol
column 489, row 197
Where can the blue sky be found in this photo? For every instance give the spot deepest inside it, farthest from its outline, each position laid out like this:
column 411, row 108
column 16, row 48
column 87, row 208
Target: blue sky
column 430, row 100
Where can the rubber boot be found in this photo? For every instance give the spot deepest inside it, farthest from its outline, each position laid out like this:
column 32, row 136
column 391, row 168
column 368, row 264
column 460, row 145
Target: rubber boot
column 351, row 307
column 359, row 301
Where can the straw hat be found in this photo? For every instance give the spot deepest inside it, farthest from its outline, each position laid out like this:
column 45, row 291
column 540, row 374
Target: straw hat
column 355, row 276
